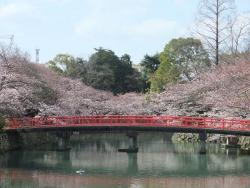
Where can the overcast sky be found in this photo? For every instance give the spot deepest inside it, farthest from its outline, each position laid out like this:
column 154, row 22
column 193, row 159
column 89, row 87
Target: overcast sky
column 136, row 27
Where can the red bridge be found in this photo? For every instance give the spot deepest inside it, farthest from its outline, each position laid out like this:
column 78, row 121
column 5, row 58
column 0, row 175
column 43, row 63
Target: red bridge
column 137, row 123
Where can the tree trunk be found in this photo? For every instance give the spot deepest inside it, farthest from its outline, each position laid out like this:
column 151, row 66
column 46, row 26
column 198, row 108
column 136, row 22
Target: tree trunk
column 217, row 33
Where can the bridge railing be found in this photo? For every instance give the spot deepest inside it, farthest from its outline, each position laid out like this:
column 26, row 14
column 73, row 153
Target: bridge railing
column 117, row 120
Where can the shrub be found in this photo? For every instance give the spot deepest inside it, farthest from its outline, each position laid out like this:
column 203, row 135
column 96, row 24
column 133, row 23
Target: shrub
column 2, row 123
column 44, row 93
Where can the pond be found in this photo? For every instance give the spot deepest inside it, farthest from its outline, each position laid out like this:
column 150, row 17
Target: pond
column 94, row 161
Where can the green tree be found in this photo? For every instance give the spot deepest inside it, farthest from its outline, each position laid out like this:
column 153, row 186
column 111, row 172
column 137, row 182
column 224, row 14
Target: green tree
column 104, row 70
column 188, row 55
column 2, row 123
column 134, row 82
column 101, row 69
column 101, row 77
column 107, row 71
column 166, row 73
column 122, row 72
column 62, row 64
column 67, row 65
column 149, row 65
column 79, row 69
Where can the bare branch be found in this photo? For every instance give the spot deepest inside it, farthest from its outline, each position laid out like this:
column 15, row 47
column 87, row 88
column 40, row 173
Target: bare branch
column 214, row 23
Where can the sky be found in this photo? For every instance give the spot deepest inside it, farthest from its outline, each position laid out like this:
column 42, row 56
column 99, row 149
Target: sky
column 76, row 27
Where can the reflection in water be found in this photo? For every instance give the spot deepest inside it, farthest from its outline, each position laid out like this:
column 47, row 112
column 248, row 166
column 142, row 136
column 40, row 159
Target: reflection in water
column 132, row 164
column 158, row 164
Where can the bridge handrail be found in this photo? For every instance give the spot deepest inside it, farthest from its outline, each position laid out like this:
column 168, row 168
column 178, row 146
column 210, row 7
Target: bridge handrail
column 130, row 120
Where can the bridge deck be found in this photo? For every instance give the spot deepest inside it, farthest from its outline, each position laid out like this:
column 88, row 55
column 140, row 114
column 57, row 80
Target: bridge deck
column 141, row 122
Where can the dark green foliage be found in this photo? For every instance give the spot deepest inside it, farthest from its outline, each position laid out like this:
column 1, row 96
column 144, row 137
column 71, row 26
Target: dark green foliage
column 134, row 82
column 149, row 65
column 67, row 65
column 101, row 70
column 182, row 59
column 104, row 70
column 109, row 72
column 188, row 55
column 166, row 73
column 2, row 122
column 31, row 112
column 80, row 69
column 43, row 93
column 100, row 77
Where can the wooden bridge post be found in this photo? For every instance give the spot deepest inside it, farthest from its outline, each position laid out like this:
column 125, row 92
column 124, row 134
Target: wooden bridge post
column 15, row 140
column 132, row 140
column 202, row 138
column 132, row 163
column 232, row 141
column 231, row 145
column 133, row 148
column 63, row 141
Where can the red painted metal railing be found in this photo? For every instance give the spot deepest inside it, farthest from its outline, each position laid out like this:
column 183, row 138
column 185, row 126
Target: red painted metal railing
column 128, row 121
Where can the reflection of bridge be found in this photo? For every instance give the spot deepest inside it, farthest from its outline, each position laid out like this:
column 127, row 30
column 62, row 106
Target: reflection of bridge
column 123, row 165
column 128, row 124
column 134, row 123
column 56, row 179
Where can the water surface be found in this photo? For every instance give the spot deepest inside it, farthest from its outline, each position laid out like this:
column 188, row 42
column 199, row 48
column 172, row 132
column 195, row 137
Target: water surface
column 94, row 162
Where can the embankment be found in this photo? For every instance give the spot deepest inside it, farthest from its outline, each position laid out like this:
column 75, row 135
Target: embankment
column 17, row 141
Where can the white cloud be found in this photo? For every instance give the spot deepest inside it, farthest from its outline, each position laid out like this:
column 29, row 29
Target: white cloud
column 152, row 28
column 179, row 2
column 86, row 26
column 244, row 18
column 60, row 2
column 107, row 16
column 13, row 9
column 123, row 18
column 147, row 28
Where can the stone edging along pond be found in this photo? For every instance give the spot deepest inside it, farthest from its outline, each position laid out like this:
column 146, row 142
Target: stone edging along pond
column 9, row 142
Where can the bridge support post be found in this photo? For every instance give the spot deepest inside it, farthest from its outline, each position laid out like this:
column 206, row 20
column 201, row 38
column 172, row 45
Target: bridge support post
column 202, row 138
column 132, row 163
column 231, row 145
column 15, row 140
column 132, row 140
column 232, row 142
column 133, row 148
column 63, row 141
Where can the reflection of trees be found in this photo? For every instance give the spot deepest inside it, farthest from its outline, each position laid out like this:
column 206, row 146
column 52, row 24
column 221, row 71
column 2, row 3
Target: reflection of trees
column 186, row 148
column 156, row 158
column 99, row 142
column 132, row 164
column 63, row 161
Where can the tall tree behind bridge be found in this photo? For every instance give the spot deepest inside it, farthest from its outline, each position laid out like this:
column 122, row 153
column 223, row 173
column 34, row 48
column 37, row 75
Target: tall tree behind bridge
column 239, row 34
column 213, row 21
